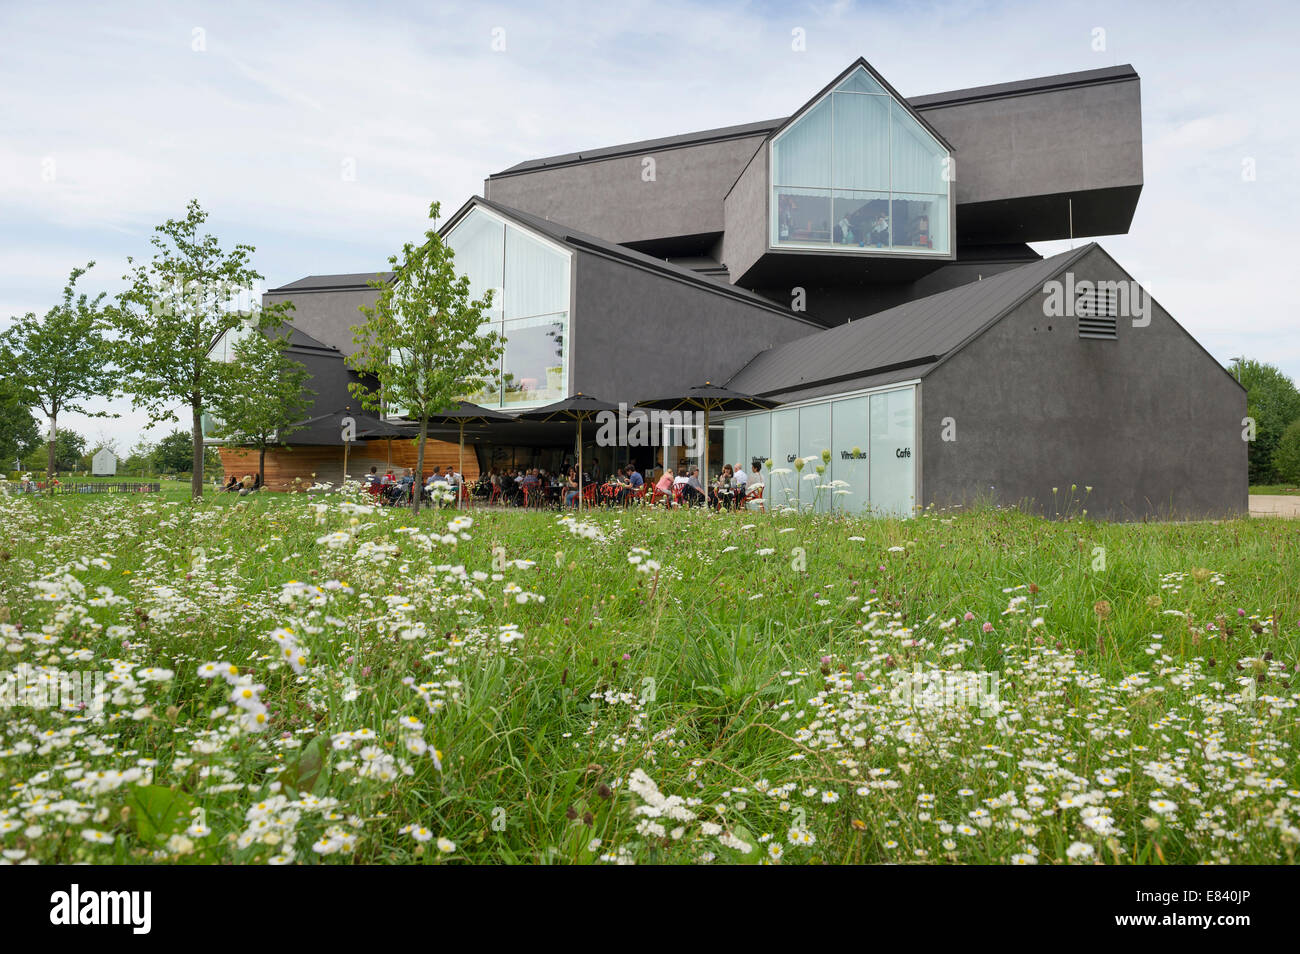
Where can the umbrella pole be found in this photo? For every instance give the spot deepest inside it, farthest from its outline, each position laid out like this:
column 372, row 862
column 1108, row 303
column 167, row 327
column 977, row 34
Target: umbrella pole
column 580, row 465
column 462, row 464
column 705, row 474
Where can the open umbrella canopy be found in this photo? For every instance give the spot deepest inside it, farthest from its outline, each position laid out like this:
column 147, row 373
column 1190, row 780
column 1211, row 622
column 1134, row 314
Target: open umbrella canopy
column 368, row 426
column 578, row 408
column 467, row 413
column 463, row 414
column 708, row 398
column 372, row 428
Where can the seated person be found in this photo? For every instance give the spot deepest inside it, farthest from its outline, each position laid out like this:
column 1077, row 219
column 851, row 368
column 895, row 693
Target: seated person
column 693, row 490
column 665, row 485
column 755, row 501
column 401, row 489
column 372, row 477
column 879, row 234
column 618, row 486
column 739, row 481
column 634, row 477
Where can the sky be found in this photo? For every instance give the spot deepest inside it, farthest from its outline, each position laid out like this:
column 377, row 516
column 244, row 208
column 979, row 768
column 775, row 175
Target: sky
column 321, row 132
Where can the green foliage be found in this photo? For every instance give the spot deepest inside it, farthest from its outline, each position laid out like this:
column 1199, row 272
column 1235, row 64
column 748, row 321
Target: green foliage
column 19, row 432
column 1273, row 401
column 420, row 348
column 69, row 453
column 762, row 699
column 176, row 309
column 263, row 395
column 1286, row 459
column 58, row 362
column 173, row 454
column 308, row 773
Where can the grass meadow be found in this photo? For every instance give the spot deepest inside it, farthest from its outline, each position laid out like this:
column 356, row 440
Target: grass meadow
column 314, row 680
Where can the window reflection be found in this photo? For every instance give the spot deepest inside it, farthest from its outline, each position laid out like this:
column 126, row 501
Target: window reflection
column 529, row 310
column 858, row 171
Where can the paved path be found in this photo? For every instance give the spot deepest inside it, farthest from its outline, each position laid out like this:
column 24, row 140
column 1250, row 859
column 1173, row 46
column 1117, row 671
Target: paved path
column 1275, row 505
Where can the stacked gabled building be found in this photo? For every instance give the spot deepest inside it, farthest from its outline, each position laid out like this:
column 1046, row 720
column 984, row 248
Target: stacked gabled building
column 865, row 261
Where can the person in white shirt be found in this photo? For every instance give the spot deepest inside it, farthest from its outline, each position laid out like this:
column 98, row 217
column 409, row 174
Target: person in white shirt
column 756, row 487
column 739, row 481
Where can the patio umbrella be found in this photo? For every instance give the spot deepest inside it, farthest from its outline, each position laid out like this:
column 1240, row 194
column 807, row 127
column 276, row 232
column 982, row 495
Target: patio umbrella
column 578, row 408
column 708, row 398
column 383, row 430
column 367, row 427
column 466, row 413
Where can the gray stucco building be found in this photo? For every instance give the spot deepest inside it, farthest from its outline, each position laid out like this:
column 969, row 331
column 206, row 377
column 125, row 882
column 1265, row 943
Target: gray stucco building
column 865, row 262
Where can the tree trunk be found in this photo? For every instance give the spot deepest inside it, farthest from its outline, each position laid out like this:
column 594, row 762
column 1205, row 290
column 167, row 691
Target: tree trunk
column 196, row 476
column 418, row 487
column 49, row 457
column 261, row 466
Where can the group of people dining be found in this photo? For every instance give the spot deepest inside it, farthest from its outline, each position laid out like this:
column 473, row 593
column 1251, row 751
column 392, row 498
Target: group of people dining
column 392, row 489
column 733, row 488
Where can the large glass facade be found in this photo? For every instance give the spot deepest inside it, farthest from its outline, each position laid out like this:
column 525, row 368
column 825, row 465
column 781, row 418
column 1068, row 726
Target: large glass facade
column 224, row 351
column 872, row 444
column 530, row 308
column 857, row 171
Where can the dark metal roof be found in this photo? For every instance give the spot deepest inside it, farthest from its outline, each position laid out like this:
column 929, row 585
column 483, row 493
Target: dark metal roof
column 957, row 97
column 591, row 243
column 915, row 335
column 299, row 339
column 1041, row 84
column 721, row 134
column 354, row 280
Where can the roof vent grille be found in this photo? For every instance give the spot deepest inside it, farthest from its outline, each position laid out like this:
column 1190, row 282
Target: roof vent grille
column 1097, row 311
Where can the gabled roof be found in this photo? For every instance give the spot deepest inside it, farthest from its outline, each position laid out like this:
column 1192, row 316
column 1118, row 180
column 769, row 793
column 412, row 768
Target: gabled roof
column 1109, row 74
column 915, row 335
column 844, row 73
column 300, row 340
column 591, row 243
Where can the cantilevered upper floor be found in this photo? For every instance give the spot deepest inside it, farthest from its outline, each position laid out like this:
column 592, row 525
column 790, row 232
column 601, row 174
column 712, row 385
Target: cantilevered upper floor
column 861, row 173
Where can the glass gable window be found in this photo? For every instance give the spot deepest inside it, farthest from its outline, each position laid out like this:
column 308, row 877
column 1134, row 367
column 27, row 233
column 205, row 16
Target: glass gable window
column 530, row 307
column 857, row 172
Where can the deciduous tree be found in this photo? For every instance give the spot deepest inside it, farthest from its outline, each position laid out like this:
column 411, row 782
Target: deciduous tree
column 176, row 309
column 264, row 395
column 421, row 341
column 1273, row 401
column 59, row 362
